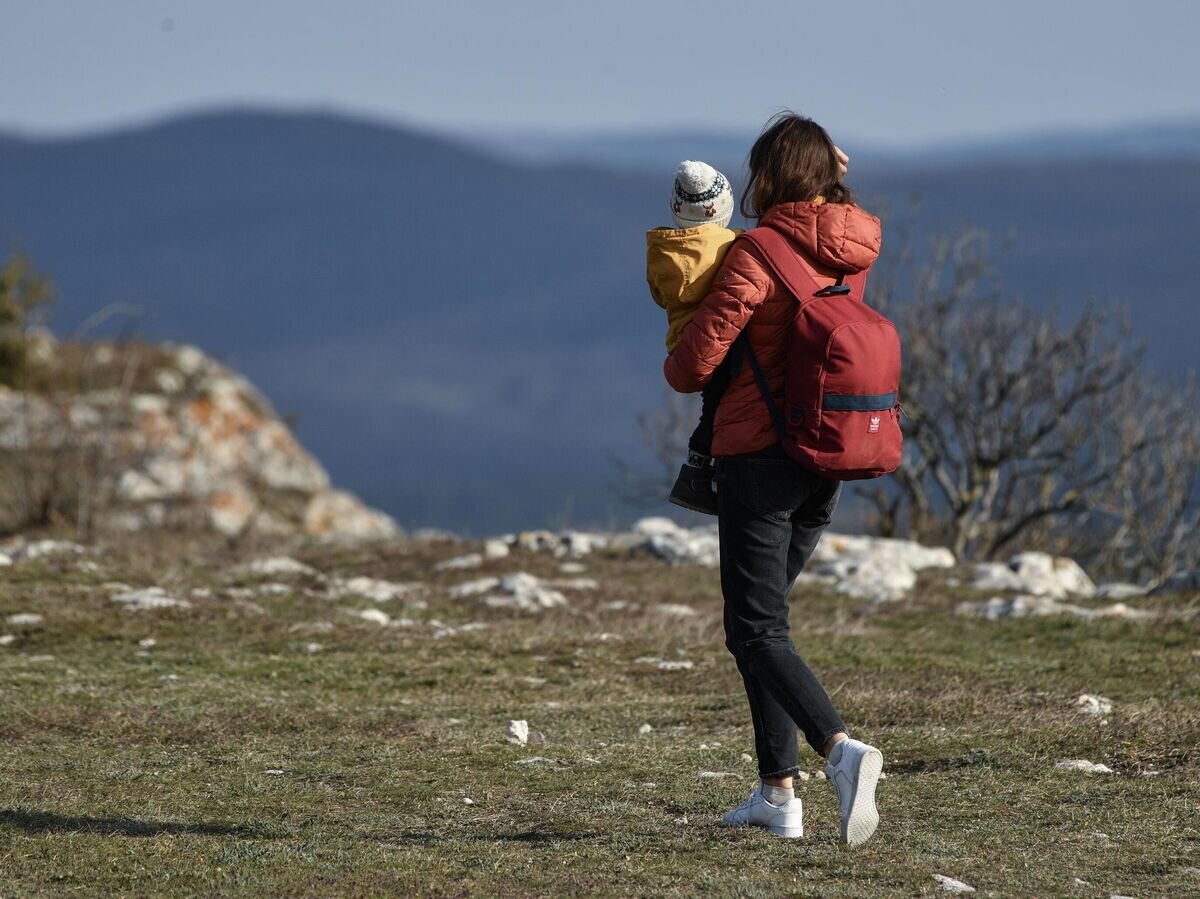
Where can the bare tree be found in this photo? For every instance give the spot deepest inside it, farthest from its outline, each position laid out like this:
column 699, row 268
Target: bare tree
column 664, row 432
column 1024, row 430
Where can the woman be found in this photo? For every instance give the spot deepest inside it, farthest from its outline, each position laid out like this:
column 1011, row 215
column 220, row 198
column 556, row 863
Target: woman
column 771, row 511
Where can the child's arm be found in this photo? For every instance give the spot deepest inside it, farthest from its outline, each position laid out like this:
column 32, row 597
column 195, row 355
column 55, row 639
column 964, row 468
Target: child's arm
column 741, row 285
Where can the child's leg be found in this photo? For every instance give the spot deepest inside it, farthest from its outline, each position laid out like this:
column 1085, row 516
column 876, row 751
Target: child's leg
column 710, row 397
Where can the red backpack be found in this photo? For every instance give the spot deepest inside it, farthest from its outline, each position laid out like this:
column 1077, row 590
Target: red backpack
column 841, row 398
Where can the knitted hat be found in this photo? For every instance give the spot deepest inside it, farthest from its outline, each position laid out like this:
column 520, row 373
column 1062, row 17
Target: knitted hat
column 701, row 195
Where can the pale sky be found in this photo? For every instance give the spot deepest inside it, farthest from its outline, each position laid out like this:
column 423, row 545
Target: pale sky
column 881, row 70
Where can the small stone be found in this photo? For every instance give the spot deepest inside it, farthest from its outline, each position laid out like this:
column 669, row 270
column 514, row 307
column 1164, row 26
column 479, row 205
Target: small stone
column 25, row 619
column 274, row 772
column 495, row 549
column 7, row 639
column 678, row 610
column 517, row 732
column 1084, row 765
column 820, row 775
column 467, row 800
column 147, row 642
column 745, row 758
column 710, row 774
column 376, row 616
column 276, row 566
column 950, row 885
column 645, row 729
column 149, row 599
column 1089, row 704
column 535, row 760
column 572, row 568
column 460, row 563
column 803, row 775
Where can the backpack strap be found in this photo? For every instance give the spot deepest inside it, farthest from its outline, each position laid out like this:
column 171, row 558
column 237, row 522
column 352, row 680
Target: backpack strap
column 741, row 346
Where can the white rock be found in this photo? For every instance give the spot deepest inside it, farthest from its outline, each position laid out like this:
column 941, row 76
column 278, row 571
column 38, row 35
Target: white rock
column 374, row 590
column 664, row 664
column 1037, row 574
column 950, row 885
column 874, row 568
column 1088, row 704
column 474, row 588
column 150, row 598
column 42, row 549
column 1084, row 765
column 803, row 775
column 460, row 563
column 24, row 619
column 535, row 760
column 1028, row 606
column 495, row 549
column 276, row 566
column 7, row 639
column 274, row 772
column 376, row 616
column 717, row 774
column 572, row 568
column 678, row 545
column 467, row 800
column 645, row 729
column 524, row 592
column 746, row 758
column 517, row 731
column 1119, row 590
column 5, row 560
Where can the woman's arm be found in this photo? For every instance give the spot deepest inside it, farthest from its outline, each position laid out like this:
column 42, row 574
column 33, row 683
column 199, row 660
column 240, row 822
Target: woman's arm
column 741, row 285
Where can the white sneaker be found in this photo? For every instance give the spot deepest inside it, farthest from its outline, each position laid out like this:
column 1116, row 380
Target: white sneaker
column 854, row 778
column 785, row 820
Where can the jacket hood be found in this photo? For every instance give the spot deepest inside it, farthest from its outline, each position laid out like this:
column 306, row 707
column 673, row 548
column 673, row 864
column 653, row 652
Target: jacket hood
column 681, row 262
column 839, row 235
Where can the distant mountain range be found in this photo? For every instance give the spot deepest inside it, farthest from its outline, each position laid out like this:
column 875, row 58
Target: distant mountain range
column 465, row 337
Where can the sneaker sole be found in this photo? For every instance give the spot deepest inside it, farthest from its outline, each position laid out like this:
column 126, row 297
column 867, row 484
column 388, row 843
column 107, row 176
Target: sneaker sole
column 790, row 833
column 864, row 817
column 684, row 504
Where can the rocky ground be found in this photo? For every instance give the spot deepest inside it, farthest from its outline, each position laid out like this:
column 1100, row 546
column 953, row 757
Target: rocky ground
column 554, row 713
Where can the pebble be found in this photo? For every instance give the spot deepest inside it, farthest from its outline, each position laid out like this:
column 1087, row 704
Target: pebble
column 645, row 729
column 150, row 598
column 745, row 758
column 950, row 885
column 1084, row 765
column 376, row 616
column 1089, row 704
column 820, row 775
column 467, row 800
column 274, row 772
column 517, row 731
column 664, row 664
column 24, row 619
column 276, row 565
column 460, row 563
column 495, row 549
column 716, row 774
column 535, row 760
column 7, row 639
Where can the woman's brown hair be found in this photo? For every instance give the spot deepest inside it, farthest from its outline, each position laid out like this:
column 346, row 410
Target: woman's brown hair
column 792, row 161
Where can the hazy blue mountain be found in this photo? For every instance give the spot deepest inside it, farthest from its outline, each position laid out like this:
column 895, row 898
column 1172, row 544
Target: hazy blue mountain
column 661, row 150
column 466, row 340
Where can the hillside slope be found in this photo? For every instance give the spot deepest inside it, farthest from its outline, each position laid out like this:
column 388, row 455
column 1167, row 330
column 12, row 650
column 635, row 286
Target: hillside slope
column 466, row 341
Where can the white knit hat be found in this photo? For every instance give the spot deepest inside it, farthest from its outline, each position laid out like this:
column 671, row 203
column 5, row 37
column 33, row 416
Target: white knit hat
column 700, row 195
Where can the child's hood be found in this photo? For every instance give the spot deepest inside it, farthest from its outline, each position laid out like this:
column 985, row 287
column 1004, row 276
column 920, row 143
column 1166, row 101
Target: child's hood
column 678, row 258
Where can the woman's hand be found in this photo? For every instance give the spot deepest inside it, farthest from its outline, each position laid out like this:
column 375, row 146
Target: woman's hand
column 843, row 162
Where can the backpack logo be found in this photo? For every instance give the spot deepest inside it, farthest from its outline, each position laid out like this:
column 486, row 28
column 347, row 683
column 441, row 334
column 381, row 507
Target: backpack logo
column 874, row 428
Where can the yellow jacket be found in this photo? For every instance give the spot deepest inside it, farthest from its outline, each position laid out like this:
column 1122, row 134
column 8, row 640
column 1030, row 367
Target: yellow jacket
column 680, row 266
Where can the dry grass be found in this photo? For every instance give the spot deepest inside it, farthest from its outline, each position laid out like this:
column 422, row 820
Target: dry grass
column 145, row 771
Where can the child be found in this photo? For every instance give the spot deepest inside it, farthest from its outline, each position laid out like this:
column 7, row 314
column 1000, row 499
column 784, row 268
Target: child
column 681, row 263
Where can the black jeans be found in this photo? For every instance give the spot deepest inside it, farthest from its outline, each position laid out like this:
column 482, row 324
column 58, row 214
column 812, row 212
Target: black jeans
column 710, row 397
column 771, row 512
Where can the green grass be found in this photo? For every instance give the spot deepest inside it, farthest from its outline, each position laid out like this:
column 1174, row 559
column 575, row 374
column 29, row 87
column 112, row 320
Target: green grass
column 144, row 771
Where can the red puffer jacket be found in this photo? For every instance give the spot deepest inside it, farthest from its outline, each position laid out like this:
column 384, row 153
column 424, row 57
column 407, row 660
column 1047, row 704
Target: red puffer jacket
column 830, row 237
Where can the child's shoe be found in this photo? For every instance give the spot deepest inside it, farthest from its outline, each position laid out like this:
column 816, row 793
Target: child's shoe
column 694, row 488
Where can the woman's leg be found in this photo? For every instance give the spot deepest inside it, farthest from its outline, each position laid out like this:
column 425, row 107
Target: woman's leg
column 771, row 514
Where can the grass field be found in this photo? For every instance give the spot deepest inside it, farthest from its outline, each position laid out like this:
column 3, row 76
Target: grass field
column 269, row 742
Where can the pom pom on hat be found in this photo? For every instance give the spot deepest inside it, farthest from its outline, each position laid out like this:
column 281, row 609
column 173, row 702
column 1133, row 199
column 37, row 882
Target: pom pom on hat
column 700, row 195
